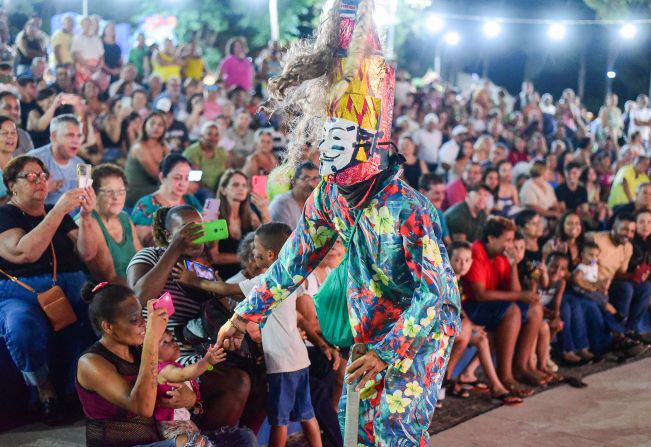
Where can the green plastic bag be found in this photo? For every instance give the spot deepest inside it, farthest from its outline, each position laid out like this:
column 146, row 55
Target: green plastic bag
column 331, row 302
column 332, row 307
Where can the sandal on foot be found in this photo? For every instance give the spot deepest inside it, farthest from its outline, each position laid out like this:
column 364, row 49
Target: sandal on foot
column 508, row 399
column 475, row 385
column 522, row 392
column 455, row 389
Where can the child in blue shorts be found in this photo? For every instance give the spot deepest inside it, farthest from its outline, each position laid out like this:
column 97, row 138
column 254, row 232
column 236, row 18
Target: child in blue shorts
column 285, row 354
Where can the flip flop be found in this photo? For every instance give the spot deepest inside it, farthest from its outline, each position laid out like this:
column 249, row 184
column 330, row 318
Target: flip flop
column 508, row 399
column 522, row 392
column 475, row 385
column 455, row 389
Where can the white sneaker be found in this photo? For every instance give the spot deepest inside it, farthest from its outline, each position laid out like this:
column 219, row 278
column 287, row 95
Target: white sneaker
column 551, row 365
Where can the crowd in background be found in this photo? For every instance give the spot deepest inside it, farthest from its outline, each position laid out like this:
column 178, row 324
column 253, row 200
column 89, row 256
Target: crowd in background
column 545, row 208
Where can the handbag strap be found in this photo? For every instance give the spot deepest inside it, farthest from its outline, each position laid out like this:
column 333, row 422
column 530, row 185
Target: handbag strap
column 354, row 229
column 27, row 286
column 54, row 263
column 18, row 281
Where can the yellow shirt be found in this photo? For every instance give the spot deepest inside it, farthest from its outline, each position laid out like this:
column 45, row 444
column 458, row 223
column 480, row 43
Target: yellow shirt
column 194, row 68
column 612, row 258
column 166, row 71
column 65, row 41
column 633, row 179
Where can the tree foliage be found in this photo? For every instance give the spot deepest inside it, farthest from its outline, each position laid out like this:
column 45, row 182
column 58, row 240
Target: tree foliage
column 213, row 23
column 616, row 9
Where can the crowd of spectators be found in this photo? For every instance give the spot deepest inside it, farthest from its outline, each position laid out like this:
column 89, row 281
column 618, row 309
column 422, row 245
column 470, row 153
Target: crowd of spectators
column 545, row 208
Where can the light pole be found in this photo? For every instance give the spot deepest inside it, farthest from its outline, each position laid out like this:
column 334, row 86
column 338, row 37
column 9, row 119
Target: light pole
column 273, row 20
column 84, row 8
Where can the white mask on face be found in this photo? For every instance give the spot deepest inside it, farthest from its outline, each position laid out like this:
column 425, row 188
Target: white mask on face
column 338, row 147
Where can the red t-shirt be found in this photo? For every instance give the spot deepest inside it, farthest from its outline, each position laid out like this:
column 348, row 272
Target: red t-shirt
column 494, row 274
column 455, row 192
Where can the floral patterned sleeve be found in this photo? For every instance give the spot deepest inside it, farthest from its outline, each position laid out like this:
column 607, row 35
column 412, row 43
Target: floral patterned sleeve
column 435, row 303
column 306, row 247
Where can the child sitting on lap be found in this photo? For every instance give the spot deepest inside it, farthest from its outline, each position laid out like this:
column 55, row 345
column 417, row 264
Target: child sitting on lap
column 585, row 278
column 173, row 423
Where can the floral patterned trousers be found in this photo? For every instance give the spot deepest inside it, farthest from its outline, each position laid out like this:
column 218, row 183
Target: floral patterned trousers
column 397, row 410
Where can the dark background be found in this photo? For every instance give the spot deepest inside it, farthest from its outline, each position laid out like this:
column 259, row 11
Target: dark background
column 526, row 51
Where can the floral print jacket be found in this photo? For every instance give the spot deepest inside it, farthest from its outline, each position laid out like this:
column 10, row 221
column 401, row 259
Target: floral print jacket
column 401, row 286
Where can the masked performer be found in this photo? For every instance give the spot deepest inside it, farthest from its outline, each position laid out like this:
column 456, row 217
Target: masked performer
column 403, row 301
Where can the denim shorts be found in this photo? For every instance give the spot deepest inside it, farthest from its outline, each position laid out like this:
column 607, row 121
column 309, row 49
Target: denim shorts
column 288, row 397
column 490, row 313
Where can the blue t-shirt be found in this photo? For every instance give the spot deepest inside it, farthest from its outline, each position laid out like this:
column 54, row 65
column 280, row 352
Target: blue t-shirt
column 67, row 173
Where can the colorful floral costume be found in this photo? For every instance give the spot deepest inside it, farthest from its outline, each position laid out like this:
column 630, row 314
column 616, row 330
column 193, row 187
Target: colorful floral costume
column 403, row 300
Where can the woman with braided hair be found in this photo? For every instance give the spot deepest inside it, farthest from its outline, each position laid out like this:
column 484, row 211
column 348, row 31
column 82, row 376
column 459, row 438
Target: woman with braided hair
column 226, row 389
column 402, row 298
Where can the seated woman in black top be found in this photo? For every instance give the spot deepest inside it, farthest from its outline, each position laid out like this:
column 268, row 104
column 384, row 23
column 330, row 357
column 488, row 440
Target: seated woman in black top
column 116, row 378
column 412, row 167
column 31, row 234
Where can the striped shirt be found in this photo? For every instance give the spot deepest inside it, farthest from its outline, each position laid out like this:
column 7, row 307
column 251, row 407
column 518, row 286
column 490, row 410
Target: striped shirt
column 186, row 307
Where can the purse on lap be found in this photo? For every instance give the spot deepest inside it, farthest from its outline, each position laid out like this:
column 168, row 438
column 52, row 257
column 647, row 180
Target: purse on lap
column 53, row 301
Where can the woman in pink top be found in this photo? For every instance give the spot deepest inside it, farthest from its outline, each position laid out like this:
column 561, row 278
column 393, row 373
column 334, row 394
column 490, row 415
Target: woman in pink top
column 236, row 69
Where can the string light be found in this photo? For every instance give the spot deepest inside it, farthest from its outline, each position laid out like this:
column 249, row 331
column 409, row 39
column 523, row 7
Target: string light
column 556, row 31
column 435, row 23
column 628, row 31
column 452, row 38
column 492, row 28
column 548, row 22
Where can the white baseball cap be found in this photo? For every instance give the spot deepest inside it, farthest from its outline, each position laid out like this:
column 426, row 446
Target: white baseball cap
column 458, row 130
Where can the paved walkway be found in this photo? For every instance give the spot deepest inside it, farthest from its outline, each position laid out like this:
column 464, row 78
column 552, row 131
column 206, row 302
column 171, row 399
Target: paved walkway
column 615, row 410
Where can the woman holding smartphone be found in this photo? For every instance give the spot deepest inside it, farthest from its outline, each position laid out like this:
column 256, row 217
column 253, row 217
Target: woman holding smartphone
column 263, row 160
column 234, row 206
column 174, row 184
column 226, row 389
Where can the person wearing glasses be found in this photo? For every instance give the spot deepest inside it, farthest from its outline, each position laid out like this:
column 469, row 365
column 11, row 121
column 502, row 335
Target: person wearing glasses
column 36, row 241
column 8, row 143
column 287, row 207
column 117, row 239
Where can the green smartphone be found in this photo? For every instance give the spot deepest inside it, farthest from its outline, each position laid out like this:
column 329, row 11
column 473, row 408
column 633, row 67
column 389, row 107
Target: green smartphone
column 215, row 230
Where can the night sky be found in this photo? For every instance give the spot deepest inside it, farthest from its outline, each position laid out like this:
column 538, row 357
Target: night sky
column 527, row 50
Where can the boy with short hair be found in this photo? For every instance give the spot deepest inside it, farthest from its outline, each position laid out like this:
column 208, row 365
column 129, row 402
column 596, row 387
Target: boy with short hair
column 285, row 354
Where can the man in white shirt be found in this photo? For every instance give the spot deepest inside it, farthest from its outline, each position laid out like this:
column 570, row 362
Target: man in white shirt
column 87, row 51
column 450, row 150
column 428, row 139
column 641, row 118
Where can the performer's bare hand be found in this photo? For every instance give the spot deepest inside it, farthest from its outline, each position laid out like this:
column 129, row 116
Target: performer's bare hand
column 365, row 368
column 229, row 337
